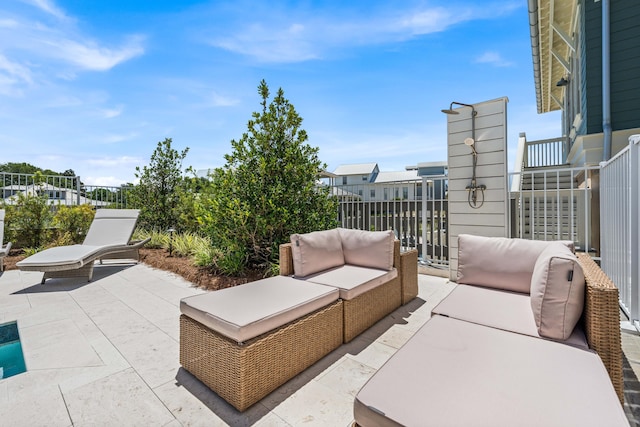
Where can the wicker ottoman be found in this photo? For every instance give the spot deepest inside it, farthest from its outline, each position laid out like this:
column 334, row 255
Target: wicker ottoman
column 246, row 341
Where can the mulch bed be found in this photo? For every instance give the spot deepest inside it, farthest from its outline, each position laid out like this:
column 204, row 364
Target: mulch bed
column 202, row 277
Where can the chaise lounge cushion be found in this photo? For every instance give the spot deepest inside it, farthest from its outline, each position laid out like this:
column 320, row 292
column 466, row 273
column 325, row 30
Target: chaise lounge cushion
column 368, row 248
column 498, row 262
column 456, row 373
column 65, row 257
column 557, row 292
column 509, row 311
column 316, row 251
column 246, row 311
column 352, row 280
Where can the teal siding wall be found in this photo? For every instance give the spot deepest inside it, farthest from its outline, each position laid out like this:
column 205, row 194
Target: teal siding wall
column 592, row 37
column 625, row 65
column 582, row 130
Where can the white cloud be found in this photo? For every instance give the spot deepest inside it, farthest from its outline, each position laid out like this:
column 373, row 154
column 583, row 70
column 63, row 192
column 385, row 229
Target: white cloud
column 48, row 7
column 115, row 138
column 493, row 58
column 8, row 23
column 104, row 181
column 114, row 161
column 298, row 36
column 267, row 44
column 110, row 113
column 431, row 20
column 34, row 49
column 12, row 77
column 89, row 56
column 218, row 100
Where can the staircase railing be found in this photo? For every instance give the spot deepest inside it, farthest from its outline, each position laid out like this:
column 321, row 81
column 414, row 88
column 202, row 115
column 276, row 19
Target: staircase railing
column 545, row 152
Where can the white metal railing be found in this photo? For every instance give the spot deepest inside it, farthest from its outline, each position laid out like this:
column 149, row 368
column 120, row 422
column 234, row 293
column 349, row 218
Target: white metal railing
column 60, row 190
column 415, row 210
column 545, row 152
column 620, row 201
column 555, row 204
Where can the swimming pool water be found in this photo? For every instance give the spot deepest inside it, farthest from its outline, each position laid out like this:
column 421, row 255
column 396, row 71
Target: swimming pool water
column 11, row 357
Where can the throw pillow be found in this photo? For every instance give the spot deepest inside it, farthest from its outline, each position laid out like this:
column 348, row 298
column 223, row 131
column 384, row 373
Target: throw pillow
column 316, row 251
column 557, row 292
column 368, row 248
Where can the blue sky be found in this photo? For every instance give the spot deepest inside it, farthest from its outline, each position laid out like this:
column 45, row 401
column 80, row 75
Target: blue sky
column 94, row 85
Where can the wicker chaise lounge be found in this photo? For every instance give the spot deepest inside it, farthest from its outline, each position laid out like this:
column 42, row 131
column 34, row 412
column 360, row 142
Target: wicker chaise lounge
column 530, row 342
column 108, row 237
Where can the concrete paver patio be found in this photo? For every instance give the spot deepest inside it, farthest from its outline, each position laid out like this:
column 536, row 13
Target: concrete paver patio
column 106, row 353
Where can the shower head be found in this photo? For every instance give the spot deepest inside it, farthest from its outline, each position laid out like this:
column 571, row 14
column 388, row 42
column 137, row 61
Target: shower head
column 469, row 142
column 452, row 111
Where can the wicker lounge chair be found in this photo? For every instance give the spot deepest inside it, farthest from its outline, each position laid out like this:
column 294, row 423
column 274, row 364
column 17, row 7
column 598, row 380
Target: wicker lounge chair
column 107, row 238
column 4, row 249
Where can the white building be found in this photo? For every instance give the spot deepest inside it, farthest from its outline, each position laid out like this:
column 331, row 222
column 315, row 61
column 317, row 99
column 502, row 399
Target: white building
column 370, row 184
column 55, row 195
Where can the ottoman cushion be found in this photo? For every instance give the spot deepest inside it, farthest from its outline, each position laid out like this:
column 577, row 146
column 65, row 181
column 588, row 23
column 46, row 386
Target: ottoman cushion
column 246, row 311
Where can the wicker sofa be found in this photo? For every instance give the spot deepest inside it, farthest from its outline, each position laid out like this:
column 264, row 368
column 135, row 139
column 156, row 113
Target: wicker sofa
column 244, row 342
column 372, row 274
column 530, row 336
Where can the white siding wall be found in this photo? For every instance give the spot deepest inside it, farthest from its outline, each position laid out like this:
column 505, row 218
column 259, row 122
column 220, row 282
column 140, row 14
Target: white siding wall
column 491, row 219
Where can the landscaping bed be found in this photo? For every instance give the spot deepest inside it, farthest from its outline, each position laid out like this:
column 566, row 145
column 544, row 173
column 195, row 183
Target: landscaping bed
column 202, row 277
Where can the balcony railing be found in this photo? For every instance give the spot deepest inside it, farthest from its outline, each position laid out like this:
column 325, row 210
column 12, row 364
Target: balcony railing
column 551, row 152
column 416, row 211
column 620, row 210
column 61, row 190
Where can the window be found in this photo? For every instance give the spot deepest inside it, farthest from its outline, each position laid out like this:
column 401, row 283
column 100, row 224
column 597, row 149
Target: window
column 365, row 178
column 372, row 194
column 396, row 193
column 386, row 193
column 405, row 192
column 344, row 180
column 360, row 192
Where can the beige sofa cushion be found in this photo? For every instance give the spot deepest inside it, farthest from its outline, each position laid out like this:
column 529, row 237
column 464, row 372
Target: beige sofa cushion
column 368, row 248
column 509, row 311
column 352, row 280
column 246, row 311
column 557, row 292
column 498, row 262
column 316, row 251
column 456, row 373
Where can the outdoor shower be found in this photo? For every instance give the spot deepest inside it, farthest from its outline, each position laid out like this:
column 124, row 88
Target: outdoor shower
column 473, row 189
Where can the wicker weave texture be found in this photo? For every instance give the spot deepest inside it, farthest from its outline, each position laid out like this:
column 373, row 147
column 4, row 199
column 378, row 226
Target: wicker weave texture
column 84, row 271
column 363, row 311
column 409, row 275
column 286, row 260
column 242, row 374
column 602, row 320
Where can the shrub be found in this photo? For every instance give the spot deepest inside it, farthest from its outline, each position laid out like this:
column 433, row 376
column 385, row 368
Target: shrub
column 72, row 223
column 266, row 190
column 28, row 221
column 159, row 239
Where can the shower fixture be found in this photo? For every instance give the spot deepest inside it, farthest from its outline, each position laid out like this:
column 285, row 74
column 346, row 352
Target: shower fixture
column 475, row 196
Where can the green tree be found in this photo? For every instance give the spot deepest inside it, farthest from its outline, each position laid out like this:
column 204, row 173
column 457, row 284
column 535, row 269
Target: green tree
column 157, row 193
column 267, row 189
